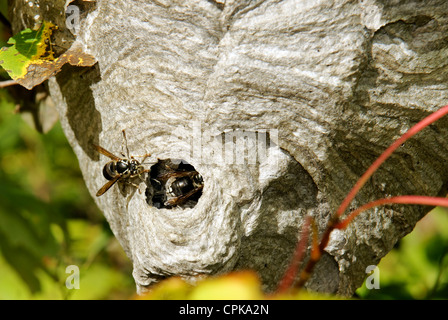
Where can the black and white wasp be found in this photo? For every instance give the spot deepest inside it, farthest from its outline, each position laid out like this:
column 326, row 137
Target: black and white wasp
column 120, row 169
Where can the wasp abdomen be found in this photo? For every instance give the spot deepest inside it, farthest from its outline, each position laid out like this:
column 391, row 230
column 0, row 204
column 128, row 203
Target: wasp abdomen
column 180, row 186
column 109, row 170
column 120, row 167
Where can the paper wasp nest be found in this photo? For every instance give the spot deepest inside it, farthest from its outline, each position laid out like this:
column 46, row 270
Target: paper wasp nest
column 279, row 106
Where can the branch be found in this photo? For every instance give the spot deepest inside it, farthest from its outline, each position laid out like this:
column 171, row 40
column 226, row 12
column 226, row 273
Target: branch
column 7, row 83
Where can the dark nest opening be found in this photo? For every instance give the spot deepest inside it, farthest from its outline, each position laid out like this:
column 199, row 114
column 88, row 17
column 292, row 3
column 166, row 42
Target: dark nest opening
column 173, row 183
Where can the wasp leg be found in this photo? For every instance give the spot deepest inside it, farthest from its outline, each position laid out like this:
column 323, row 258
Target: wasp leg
column 140, row 177
column 144, row 157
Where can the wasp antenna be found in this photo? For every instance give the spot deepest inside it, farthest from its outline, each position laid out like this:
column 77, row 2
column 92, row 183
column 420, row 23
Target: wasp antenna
column 126, row 143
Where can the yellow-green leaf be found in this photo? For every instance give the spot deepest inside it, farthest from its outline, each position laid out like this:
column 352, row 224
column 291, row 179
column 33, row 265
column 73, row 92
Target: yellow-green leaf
column 27, row 47
column 30, row 61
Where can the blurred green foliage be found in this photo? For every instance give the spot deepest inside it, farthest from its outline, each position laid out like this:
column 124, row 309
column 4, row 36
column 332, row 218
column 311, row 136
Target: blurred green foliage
column 418, row 267
column 49, row 221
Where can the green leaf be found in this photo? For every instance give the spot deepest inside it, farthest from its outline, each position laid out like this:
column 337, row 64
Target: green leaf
column 27, row 47
column 30, row 61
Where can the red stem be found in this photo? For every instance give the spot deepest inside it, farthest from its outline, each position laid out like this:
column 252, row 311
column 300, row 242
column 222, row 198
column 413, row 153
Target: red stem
column 416, row 128
column 421, row 200
column 293, row 269
column 7, row 83
column 336, row 223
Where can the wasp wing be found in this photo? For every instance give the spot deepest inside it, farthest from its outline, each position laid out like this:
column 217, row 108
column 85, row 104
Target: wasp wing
column 108, row 184
column 176, row 174
column 181, row 199
column 106, row 153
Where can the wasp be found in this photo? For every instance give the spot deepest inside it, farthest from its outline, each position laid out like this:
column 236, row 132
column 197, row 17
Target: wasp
column 120, row 168
column 174, row 186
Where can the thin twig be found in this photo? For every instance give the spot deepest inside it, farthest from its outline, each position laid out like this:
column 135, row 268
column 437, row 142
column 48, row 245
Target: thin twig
column 369, row 172
column 291, row 273
column 421, row 200
column 7, row 83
